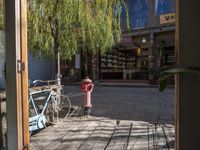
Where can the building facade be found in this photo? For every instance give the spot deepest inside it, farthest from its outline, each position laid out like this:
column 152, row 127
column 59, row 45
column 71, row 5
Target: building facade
column 144, row 50
column 149, row 45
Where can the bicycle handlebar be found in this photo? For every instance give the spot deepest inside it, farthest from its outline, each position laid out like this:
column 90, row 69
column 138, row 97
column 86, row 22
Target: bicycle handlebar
column 49, row 82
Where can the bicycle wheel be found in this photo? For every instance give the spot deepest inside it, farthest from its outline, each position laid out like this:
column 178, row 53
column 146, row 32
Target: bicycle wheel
column 58, row 109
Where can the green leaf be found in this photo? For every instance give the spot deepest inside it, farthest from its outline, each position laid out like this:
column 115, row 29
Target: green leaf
column 167, row 74
column 190, row 70
column 163, row 81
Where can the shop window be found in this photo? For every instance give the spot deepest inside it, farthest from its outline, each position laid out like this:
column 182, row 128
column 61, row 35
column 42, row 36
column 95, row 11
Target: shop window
column 164, row 7
column 138, row 13
column 123, row 19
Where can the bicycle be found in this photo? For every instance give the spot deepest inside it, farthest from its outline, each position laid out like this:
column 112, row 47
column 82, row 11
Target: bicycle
column 46, row 106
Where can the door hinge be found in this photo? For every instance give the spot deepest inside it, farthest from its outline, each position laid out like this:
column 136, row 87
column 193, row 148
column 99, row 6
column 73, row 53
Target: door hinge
column 20, row 66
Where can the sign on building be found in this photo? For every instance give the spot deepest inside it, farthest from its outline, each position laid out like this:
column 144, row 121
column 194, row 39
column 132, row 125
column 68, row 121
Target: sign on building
column 77, row 61
column 167, row 18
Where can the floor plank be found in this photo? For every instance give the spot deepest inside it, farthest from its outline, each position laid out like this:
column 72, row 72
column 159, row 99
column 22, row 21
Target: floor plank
column 120, row 136
column 161, row 141
column 51, row 135
column 139, row 136
column 104, row 134
column 77, row 136
column 99, row 138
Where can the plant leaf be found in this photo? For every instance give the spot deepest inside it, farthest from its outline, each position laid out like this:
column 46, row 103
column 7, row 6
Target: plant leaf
column 163, row 81
column 167, row 74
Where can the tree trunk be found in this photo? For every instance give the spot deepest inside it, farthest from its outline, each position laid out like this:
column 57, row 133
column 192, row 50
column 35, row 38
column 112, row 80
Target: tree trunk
column 86, row 63
column 55, row 35
column 57, row 64
column 93, row 73
column 57, row 56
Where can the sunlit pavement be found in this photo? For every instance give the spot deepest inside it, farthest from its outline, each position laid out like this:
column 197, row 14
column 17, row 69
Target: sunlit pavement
column 121, row 118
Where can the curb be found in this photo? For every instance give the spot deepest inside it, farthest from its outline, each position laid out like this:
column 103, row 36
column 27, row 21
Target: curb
column 122, row 85
column 133, row 85
column 126, row 85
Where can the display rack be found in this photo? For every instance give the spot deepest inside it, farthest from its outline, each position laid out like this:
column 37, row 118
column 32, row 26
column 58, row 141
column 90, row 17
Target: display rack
column 113, row 62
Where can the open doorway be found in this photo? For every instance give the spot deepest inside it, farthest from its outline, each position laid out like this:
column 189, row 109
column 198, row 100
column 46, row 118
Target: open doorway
column 124, row 117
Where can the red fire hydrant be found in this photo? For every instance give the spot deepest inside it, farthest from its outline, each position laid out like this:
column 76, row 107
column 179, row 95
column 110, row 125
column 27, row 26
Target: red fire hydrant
column 87, row 87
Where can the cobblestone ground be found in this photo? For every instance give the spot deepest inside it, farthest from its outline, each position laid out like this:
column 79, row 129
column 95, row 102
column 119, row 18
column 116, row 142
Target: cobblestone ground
column 128, row 103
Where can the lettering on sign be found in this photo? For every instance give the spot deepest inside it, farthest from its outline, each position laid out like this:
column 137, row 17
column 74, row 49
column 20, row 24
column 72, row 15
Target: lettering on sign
column 167, row 18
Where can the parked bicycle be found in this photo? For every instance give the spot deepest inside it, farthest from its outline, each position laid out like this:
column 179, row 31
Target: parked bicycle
column 46, row 106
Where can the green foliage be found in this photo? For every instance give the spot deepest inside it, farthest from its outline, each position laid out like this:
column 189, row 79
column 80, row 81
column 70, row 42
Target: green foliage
column 169, row 73
column 71, row 25
column 68, row 26
column 2, row 14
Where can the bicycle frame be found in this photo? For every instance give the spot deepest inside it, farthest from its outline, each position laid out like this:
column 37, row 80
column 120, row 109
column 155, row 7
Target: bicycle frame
column 38, row 121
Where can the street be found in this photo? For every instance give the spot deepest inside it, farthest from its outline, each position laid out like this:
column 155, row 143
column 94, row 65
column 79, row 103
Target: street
column 128, row 103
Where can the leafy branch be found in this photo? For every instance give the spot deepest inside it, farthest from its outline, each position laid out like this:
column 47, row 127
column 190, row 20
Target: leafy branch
column 166, row 75
column 61, row 28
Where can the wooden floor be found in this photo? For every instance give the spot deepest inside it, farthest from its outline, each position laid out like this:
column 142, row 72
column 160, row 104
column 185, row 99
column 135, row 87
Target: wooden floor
column 145, row 122
column 96, row 133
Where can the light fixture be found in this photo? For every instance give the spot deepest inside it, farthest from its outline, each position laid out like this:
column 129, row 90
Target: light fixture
column 144, row 40
column 138, row 51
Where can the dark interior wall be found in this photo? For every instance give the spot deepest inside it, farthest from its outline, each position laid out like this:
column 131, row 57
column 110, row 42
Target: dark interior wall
column 189, row 85
column 41, row 68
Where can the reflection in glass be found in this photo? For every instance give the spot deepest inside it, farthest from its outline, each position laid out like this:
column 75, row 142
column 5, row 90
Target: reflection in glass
column 123, row 19
column 164, row 6
column 138, row 13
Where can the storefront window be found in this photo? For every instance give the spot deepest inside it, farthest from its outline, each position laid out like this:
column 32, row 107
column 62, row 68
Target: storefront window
column 164, row 7
column 123, row 19
column 138, row 13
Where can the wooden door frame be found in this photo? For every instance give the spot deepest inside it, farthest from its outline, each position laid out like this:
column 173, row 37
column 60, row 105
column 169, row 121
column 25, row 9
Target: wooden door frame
column 16, row 75
column 177, row 78
column 17, row 80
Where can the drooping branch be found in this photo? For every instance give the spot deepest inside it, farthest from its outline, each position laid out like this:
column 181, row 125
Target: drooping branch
column 90, row 23
column 52, row 27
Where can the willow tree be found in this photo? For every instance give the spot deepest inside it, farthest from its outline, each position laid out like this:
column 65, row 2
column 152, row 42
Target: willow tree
column 2, row 16
column 58, row 28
